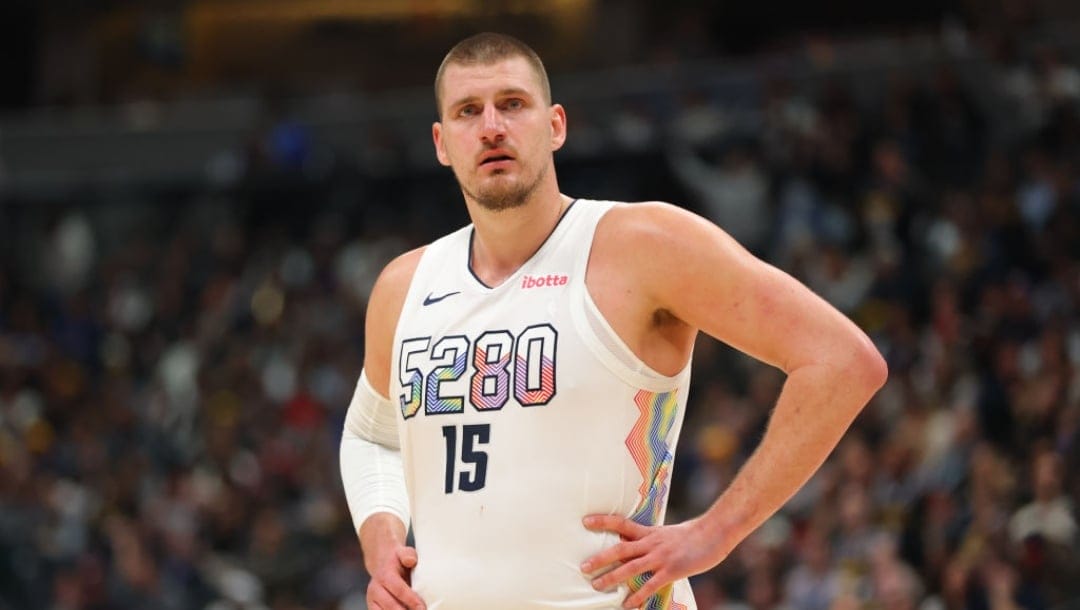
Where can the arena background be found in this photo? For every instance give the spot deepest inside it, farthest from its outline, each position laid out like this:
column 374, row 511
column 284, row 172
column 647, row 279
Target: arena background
column 195, row 196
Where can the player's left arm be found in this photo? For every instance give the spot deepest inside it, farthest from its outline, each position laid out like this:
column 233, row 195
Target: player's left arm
column 694, row 271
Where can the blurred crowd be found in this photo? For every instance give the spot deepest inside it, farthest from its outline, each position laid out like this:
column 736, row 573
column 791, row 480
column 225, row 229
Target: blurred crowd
column 175, row 365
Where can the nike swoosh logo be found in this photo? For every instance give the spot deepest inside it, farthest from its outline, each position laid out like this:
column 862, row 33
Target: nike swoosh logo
column 431, row 299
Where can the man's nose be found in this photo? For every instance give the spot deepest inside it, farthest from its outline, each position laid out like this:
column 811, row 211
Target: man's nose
column 493, row 128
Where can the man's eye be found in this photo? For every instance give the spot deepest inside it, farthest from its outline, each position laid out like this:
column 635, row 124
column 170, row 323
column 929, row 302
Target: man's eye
column 514, row 104
column 468, row 111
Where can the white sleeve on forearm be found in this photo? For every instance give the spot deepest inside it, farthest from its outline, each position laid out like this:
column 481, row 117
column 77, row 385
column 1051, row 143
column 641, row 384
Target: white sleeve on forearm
column 371, row 469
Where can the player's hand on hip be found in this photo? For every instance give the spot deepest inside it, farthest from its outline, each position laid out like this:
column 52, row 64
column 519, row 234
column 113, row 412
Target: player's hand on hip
column 663, row 554
column 389, row 587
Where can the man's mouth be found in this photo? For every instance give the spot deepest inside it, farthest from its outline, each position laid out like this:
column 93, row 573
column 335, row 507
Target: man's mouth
column 495, row 158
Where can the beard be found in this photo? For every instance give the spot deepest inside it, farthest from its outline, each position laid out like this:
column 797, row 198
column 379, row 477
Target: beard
column 503, row 195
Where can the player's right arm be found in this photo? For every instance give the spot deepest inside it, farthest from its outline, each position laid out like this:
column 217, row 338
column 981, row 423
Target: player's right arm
column 371, row 467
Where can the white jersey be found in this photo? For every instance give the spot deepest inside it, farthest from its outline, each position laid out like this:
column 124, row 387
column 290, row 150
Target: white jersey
column 521, row 412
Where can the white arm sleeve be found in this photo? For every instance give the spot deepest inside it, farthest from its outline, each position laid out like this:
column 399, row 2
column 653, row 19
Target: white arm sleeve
column 371, row 469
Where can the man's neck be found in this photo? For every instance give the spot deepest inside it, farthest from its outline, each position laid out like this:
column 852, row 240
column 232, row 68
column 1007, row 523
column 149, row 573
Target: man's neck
column 504, row 240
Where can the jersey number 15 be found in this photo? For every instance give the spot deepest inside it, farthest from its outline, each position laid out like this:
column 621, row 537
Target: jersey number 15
column 471, row 435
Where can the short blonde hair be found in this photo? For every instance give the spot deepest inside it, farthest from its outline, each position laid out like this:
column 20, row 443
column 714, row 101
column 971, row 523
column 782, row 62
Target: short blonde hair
column 485, row 49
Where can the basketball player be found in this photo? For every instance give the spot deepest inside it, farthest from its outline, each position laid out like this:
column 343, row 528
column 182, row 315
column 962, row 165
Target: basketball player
column 525, row 377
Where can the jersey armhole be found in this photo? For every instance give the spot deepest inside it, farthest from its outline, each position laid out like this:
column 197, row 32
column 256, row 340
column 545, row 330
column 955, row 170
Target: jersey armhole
column 601, row 338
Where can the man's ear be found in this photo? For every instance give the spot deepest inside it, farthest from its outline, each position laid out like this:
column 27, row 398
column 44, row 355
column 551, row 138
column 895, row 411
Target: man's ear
column 440, row 150
column 558, row 126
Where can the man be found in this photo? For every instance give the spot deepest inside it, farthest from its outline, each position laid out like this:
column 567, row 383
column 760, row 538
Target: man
column 525, row 377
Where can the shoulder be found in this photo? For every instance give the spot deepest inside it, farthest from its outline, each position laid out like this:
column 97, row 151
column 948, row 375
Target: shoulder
column 648, row 220
column 392, row 285
column 656, row 233
column 667, row 255
column 636, row 235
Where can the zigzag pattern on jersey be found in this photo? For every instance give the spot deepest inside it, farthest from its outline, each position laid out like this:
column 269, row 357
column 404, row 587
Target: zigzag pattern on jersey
column 484, row 370
column 521, row 382
column 436, row 403
column 649, row 447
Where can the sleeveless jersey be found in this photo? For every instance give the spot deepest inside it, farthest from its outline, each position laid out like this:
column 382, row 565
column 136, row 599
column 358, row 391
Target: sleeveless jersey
column 521, row 412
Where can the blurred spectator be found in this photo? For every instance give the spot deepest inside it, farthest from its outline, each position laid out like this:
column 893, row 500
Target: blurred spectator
column 812, row 584
column 733, row 193
column 1044, row 531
